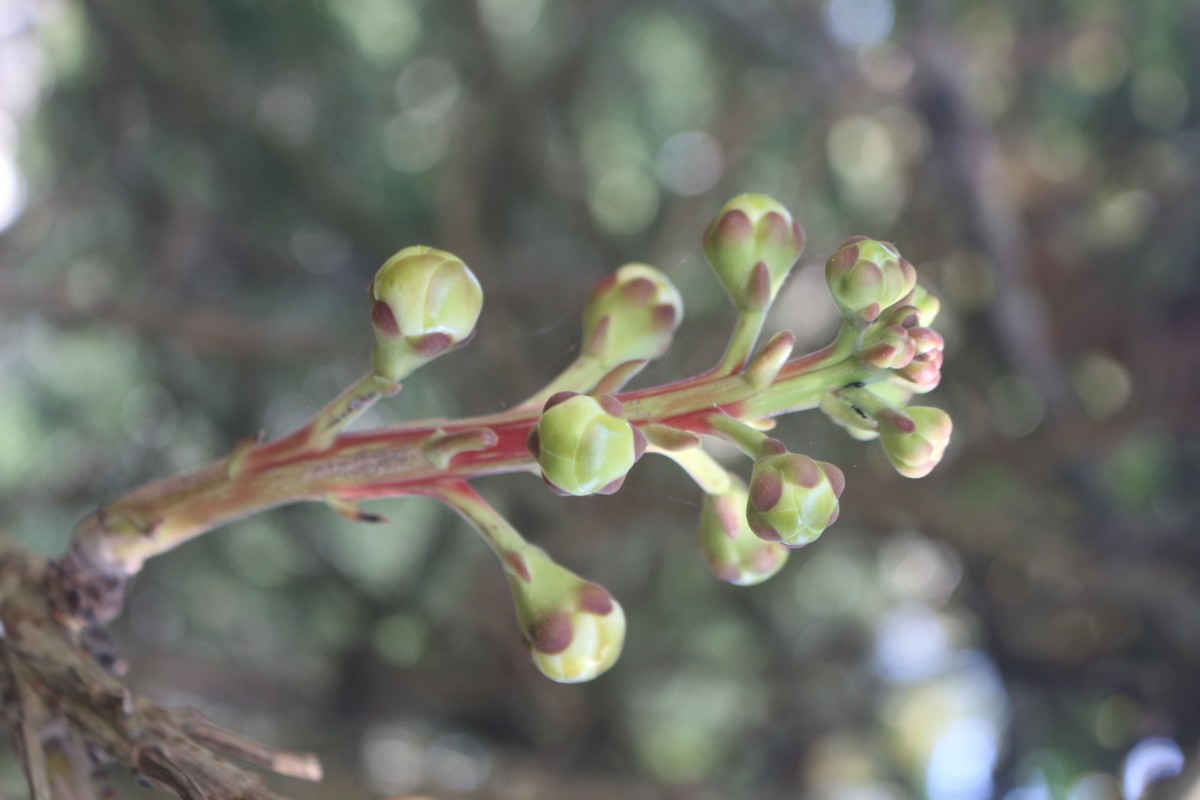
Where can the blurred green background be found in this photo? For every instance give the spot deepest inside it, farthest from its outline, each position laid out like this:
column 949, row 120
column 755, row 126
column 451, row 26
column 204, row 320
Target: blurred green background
column 193, row 197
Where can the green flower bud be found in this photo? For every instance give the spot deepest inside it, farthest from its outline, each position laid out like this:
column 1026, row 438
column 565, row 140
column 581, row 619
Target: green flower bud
column 865, row 277
column 584, row 444
column 849, row 416
column 792, row 498
column 924, row 302
column 631, row 315
column 425, row 302
column 574, row 629
column 914, row 439
column 752, row 244
column 732, row 551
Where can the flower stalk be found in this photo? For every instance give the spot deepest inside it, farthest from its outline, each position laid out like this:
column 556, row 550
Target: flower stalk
column 584, row 431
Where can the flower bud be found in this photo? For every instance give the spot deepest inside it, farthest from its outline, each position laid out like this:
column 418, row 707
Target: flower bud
column 866, row 276
column 792, row 498
column 924, row 372
column 914, row 439
column 926, row 304
column 425, row 302
column 584, row 444
column 886, row 347
column 734, row 554
column 752, row 244
column 631, row 315
column 857, row 422
column 574, row 629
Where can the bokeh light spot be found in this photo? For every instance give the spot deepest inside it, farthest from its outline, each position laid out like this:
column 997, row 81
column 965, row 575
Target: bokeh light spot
column 1017, row 406
column 1103, row 385
column 624, row 201
column 859, row 22
column 1150, row 760
column 689, row 163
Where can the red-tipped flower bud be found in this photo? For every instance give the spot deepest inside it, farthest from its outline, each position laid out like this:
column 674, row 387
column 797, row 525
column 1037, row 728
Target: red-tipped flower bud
column 792, row 497
column 631, row 315
column 752, row 244
column 584, row 444
column 425, row 302
column 924, row 372
column 574, row 629
column 915, row 439
column 732, row 551
column 865, row 277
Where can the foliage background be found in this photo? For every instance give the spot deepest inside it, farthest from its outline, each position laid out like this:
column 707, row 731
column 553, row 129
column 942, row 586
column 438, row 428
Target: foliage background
column 193, row 196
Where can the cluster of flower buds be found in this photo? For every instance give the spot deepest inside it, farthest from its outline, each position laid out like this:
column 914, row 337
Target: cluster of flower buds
column 898, row 342
column 876, row 291
column 585, row 437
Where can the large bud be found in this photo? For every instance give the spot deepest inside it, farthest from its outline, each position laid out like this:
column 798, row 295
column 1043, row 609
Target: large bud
column 574, row 629
column 865, row 277
column 733, row 553
column 425, row 302
column 792, row 498
column 631, row 315
column 584, row 444
column 752, row 244
column 914, row 439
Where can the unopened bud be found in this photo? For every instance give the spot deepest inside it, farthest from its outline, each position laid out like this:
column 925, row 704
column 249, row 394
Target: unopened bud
column 425, row 302
column 924, row 372
column 849, row 416
column 925, row 302
column 752, row 244
column 733, row 553
column 865, row 277
column 914, row 439
column 574, row 629
column 584, row 444
column 631, row 315
column 792, row 497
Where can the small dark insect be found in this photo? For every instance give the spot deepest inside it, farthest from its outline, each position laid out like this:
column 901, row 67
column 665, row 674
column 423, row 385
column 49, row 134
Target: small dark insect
column 854, row 385
column 859, row 411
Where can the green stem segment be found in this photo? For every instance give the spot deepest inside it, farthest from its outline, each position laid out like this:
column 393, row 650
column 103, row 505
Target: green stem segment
column 508, row 545
column 745, row 333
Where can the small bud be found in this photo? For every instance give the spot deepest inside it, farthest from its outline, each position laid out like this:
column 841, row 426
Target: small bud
column 924, row 372
column 584, row 444
column 765, row 367
column 574, row 629
column 752, row 244
column 865, row 277
column 733, row 553
column 914, row 439
column 425, row 302
column 631, row 315
column 857, row 422
column 926, row 304
column 886, row 347
column 792, row 498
